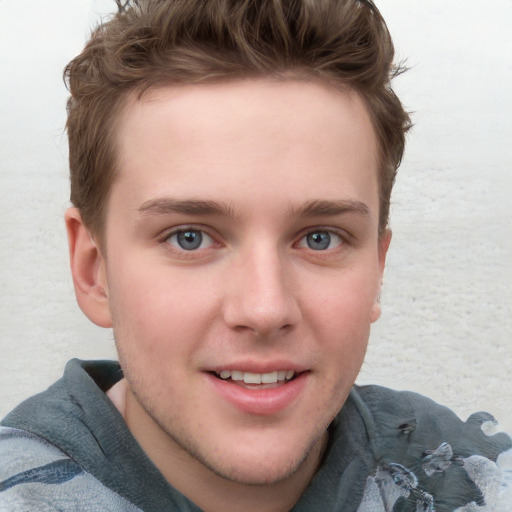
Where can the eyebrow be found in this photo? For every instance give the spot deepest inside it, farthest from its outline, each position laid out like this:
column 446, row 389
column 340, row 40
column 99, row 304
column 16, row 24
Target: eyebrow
column 322, row 208
column 166, row 206
column 315, row 208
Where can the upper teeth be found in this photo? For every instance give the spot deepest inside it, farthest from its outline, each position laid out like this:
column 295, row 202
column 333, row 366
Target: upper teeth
column 257, row 378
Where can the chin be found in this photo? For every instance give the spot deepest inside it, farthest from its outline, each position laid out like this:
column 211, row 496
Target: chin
column 263, row 461
column 256, row 472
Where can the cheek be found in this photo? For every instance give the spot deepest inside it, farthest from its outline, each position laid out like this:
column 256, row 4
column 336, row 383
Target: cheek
column 340, row 318
column 158, row 311
column 344, row 301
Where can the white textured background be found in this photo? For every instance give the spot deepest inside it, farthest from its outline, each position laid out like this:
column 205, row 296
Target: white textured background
column 446, row 329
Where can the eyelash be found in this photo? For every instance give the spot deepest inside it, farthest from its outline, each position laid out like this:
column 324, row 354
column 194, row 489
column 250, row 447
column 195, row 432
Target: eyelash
column 183, row 253
column 344, row 240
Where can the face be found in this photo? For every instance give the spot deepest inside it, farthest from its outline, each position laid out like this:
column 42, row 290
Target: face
column 243, row 268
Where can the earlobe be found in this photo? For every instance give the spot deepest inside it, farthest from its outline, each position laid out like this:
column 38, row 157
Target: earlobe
column 376, row 311
column 88, row 271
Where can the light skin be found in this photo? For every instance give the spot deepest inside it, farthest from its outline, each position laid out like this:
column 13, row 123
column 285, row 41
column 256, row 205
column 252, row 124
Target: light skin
column 241, row 236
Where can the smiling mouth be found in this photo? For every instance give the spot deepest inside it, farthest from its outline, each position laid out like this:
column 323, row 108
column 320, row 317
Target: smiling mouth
column 256, row 380
column 261, row 394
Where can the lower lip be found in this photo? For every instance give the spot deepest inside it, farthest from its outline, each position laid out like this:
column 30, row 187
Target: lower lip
column 263, row 402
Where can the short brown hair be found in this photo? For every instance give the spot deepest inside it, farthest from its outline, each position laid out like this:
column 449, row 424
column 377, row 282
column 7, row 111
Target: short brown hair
column 171, row 42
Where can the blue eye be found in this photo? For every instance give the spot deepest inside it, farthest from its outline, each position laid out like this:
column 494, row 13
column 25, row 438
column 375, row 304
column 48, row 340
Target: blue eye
column 321, row 240
column 318, row 241
column 189, row 239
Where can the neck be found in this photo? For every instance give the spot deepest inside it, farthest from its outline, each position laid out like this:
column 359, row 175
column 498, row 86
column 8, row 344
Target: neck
column 213, row 493
column 208, row 490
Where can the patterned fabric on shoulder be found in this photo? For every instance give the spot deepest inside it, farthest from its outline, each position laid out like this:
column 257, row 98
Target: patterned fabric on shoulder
column 447, row 478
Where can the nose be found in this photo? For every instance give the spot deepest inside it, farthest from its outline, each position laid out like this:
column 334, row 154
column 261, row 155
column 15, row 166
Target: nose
column 262, row 296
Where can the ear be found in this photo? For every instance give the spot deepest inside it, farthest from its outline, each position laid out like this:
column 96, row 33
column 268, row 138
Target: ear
column 384, row 242
column 88, row 271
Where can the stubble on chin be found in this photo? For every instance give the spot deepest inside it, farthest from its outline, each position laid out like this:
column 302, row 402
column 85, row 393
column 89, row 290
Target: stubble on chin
column 188, row 452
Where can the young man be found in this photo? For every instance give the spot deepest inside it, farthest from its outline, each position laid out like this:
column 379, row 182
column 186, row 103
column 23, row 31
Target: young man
column 231, row 170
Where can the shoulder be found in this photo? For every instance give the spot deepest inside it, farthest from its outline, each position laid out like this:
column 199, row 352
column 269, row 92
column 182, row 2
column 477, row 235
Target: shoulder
column 426, row 458
column 37, row 476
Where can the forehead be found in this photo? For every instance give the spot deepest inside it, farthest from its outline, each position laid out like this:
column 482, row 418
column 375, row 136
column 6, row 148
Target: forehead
column 256, row 139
